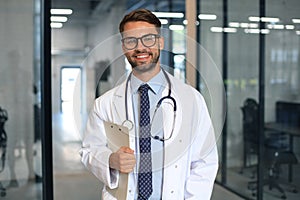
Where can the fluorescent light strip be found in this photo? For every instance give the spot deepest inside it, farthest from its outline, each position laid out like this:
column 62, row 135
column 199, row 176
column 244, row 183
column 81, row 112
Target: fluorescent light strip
column 257, row 31
column 176, row 27
column 56, row 25
column 298, row 32
column 270, row 19
column 163, row 21
column 207, row 16
column 254, row 19
column 242, row 25
column 230, row 30
column 263, row 19
column 234, row 24
column 296, row 21
column 61, row 11
column 58, row 19
column 216, row 29
column 289, row 27
column 168, row 14
column 220, row 29
column 275, row 26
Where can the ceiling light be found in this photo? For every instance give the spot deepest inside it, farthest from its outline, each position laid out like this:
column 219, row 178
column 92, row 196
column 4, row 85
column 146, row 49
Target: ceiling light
column 289, row 27
column 56, row 25
column 234, row 24
column 168, row 14
column 176, row 27
column 265, row 31
column 252, row 31
column 298, row 32
column 253, row 25
column 207, row 16
column 61, row 11
column 230, row 30
column 244, row 25
column 58, row 19
column 264, row 19
column 216, row 29
column 296, row 21
column 275, row 26
column 163, row 21
column 254, row 19
column 257, row 31
column 270, row 19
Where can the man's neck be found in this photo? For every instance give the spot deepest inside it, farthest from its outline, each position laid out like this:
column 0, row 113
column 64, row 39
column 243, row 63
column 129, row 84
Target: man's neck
column 148, row 75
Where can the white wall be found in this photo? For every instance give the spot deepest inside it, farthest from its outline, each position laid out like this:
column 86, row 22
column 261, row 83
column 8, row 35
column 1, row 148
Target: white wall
column 86, row 44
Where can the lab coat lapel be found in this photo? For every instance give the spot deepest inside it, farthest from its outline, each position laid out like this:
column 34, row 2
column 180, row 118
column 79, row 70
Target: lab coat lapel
column 119, row 110
column 118, row 101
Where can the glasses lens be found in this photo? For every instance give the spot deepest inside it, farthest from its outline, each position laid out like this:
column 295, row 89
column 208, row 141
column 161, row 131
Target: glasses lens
column 130, row 43
column 149, row 40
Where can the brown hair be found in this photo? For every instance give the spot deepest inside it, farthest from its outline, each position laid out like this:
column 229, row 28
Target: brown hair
column 140, row 15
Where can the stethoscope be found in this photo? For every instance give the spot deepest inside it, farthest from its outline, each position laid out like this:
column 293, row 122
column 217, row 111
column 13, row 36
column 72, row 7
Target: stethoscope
column 129, row 124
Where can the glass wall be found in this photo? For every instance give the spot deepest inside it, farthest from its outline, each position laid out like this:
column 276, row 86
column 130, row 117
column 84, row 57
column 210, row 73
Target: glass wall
column 20, row 100
column 259, row 60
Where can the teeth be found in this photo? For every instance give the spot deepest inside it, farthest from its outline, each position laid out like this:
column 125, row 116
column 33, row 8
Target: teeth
column 142, row 56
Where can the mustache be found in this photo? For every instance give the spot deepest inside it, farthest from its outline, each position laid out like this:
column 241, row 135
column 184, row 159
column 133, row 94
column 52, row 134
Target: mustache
column 136, row 52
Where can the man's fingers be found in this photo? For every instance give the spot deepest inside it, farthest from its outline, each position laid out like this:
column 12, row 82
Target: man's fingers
column 126, row 150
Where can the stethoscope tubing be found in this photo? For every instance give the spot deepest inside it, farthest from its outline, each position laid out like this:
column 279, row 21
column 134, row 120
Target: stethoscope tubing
column 127, row 121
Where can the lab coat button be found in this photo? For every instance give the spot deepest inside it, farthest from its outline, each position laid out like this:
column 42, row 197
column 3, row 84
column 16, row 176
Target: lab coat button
column 176, row 166
column 172, row 192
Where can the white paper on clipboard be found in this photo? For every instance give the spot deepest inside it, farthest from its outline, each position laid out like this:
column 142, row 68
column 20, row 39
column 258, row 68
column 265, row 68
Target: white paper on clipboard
column 118, row 136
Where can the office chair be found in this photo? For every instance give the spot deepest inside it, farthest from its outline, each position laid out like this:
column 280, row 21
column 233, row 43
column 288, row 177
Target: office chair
column 3, row 142
column 250, row 134
column 275, row 154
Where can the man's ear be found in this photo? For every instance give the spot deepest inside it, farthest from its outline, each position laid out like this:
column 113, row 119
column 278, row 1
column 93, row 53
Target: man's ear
column 161, row 43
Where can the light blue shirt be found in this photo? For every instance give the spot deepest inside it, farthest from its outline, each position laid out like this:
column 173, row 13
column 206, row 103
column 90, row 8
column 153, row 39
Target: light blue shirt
column 157, row 85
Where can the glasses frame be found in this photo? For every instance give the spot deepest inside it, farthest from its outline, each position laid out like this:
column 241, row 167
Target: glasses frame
column 141, row 39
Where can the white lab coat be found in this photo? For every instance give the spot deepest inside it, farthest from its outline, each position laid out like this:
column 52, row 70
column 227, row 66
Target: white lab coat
column 190, row 156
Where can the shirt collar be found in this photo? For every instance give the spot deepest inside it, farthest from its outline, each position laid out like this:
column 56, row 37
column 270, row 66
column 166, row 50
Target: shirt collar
column 157, row 83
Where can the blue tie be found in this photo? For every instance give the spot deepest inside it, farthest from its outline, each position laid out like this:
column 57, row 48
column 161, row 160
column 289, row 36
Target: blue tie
column 145, row 169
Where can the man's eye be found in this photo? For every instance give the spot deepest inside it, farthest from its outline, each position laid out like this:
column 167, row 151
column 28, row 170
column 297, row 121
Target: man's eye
column 148, row 38
column 130, row 41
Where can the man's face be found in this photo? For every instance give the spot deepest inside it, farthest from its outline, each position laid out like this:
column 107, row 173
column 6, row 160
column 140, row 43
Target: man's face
column 142, row 58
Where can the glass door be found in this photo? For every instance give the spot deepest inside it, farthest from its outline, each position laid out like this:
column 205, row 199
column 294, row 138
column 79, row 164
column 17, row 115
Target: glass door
column 20, row 100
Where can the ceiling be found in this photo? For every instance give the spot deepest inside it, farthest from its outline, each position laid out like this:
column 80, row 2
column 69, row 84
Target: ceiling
column 89, row 11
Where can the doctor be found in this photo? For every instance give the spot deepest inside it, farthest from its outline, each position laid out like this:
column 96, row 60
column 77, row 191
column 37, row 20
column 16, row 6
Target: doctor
column 183, row 161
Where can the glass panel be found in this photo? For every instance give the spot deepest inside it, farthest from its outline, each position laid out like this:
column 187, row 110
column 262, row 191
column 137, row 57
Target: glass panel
column 210, row 51
column 20, row 133
column 282, row 98
column 242, row 97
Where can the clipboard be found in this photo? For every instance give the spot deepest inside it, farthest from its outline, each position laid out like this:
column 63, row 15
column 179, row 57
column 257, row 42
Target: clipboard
column 117, row 136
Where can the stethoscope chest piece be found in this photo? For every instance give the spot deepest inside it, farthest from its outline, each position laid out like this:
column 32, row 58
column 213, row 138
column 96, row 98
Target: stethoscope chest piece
column 128, row 124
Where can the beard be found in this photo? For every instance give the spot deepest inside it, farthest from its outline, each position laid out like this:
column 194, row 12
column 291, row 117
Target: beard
column 144, row 66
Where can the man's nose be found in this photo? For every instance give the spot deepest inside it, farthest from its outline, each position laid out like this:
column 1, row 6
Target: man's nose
column 140, row 44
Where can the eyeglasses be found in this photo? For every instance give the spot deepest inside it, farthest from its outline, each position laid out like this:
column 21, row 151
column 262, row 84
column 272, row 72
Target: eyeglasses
column 148, row 40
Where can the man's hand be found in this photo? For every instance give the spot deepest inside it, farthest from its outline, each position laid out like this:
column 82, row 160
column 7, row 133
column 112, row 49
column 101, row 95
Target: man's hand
column 122, row 160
